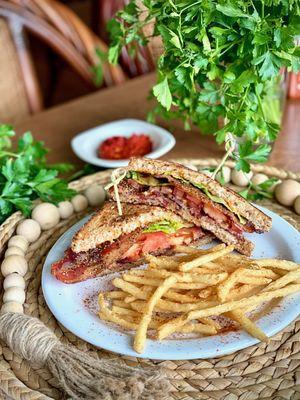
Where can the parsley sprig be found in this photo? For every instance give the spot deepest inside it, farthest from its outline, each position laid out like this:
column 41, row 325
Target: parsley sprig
column 222, row 60
column 26, row 176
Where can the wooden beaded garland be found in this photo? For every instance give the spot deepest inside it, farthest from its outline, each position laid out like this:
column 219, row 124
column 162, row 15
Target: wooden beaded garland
column 18, row 241
column 14, row 293
column 47, row 215
column 12, row 306
column 14, row 263
column 14, row 280
column 14, row 250
column 79, row 202
column 30, row 229
column 95, row 195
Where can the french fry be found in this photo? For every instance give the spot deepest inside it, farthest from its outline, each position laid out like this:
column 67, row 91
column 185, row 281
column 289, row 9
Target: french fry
column 181, row 277
column 283, row 281
column 188, row 250
column 124, row 311
column 129, row 299
column 130, row 288
column 225, row 287
column 274, row 263
column 141, row 333
column 183, row 293
column 121, row 303
column 181, row 298
column 263, row 272
column 170, row 306
column 248, row 325
column 211, row 322
column 173, row 325
column 199, row 328
column 243, row 291
column 115, row 294
column 206, row 293
column 109, row 316
column 205, row 258
column 254, row 280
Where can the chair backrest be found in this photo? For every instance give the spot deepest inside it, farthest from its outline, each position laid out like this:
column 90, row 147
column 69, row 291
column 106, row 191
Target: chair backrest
column 61, row 29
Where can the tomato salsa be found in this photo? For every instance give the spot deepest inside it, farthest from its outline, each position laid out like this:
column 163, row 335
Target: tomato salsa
column 120, row 147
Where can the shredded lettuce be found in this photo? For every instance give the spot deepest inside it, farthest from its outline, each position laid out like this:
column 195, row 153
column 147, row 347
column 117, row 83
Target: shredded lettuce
column 151, row 181
column 144, row 180
column 165, row 226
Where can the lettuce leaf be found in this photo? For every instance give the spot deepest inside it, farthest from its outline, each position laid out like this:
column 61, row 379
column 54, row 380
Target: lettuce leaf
column 144, row 180
column 165, row 226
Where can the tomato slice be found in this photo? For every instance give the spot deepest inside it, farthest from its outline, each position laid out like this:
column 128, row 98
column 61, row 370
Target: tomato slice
column 76, row 267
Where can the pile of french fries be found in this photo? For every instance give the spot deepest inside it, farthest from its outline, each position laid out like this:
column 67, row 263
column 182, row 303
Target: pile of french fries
column 186, row 293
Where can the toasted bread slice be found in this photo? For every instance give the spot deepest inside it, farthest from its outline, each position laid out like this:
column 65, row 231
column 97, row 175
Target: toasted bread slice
column 106, row 225
column 235, row 202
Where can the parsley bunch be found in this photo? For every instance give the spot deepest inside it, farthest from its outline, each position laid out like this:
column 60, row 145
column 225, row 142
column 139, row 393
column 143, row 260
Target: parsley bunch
column 221, row 60
column 25, row 175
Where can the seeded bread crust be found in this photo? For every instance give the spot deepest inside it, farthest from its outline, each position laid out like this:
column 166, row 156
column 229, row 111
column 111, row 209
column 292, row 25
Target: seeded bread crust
column 107, row 225
column 261, row 221
column 241, row 244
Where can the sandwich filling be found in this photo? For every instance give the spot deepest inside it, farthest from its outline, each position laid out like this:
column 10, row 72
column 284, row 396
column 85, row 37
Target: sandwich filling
column 158, row 238
column 162, row 191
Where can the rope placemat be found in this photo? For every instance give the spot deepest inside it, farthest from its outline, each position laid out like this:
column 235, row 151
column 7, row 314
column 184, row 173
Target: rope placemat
column 265, row 371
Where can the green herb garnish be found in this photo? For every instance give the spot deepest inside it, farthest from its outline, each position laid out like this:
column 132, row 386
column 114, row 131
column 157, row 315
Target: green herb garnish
column 221, row 59
column 259, row 192
column 25, row 175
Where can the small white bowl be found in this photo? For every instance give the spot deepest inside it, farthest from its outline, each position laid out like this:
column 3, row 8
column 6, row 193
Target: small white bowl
column 85, row 144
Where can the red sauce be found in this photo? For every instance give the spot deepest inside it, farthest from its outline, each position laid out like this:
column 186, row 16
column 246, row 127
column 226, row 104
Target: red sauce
column 119, row 147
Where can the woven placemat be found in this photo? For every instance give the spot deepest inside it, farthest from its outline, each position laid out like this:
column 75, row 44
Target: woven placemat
column 264, row 371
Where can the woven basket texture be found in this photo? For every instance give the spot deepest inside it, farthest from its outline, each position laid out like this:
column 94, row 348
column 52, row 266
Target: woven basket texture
column 264, row 371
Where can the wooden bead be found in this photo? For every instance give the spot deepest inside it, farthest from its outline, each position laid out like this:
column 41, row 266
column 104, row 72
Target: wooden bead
column 95, row 195
column 12, row 280
column 18, row 241
column 241, row 178
column 65, row 209
column 287, row 191
column 259, row 179
column 14, row 293
column 47, row 215
column 297, row 205
column 13, row 264
column 30, row 229
column 14, row 251
column 224, row 175
column 12, row 306
column 79, row 202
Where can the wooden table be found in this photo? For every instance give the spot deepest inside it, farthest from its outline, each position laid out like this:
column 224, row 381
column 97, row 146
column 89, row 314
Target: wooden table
column 57, row 126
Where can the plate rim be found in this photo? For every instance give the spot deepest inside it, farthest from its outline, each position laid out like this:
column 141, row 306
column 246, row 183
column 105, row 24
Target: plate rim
column 244, row 342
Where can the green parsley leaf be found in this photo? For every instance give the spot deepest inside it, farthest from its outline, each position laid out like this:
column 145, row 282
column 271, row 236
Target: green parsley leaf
column 162, row 92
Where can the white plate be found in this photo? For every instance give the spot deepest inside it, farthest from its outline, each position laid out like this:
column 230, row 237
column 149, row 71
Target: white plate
column 85, row 144
column 67, row 303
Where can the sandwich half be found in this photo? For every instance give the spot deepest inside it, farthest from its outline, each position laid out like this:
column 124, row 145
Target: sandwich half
column 110, row 243
column 195, row 197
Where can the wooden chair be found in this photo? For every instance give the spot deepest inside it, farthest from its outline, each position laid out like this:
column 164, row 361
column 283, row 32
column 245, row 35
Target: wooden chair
column 61, row 29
